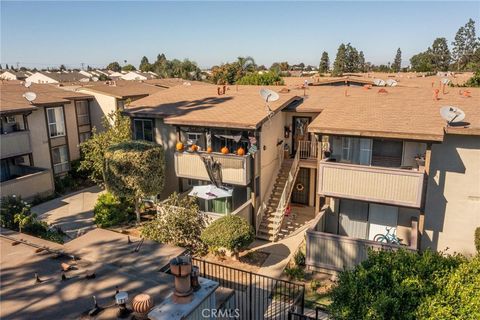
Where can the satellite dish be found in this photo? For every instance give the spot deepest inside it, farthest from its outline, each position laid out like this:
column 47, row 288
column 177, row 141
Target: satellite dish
column 391, row 83
column 95, row 79
column 30, row 96
column 452, row 114
column 379, row 82
column 269, row 95
column 445, row 81
column 28, row 84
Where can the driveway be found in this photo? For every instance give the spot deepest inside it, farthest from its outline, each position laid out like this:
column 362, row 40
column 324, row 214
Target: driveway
column 73, row 213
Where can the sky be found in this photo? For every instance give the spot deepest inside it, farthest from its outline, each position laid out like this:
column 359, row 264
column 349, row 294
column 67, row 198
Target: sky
column 46, row 34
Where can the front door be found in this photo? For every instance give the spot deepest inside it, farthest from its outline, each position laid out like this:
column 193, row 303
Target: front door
column 301, row 188
column 300, row 131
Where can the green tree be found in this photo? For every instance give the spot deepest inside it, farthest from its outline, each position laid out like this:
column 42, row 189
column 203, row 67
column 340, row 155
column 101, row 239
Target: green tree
column 117, row 129
column 458, row 295
column 135, row 170
column 339, row 65
column 62, row 67
column 397, row 61
column 128, row 68
column 465, row 44
column 324, row 63
column 179, row 222
column 231, row 232
column 245, row 65
column 114, row 66
column 422, row 62
column 264, row 79
column 351, row 59
column 145, row 66
column 440, row 54
column 111, row 211
column 362, row 66
column 390, row 284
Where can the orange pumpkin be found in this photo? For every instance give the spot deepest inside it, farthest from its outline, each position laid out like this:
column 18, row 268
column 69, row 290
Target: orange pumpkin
column 209, row 150
column 179, row 146
column 194, row 147
column 241, row 151
column 224, row 150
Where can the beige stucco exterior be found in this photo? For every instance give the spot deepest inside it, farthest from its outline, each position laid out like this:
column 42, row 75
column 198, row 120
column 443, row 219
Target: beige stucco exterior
column 166, row 136
column 72, row 131
column 453, row 197
column 101, row 106
column 39, row 138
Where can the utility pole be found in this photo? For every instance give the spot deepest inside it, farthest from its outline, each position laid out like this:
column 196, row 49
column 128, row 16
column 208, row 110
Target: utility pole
column 82, row 64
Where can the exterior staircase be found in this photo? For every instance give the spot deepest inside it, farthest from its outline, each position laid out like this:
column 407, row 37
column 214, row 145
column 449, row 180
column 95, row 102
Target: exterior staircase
column 274, row 211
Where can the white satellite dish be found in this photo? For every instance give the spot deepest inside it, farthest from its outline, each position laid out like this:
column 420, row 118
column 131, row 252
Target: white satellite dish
column 269, row 95
column 30, row 96
column 445, row 81
column 95, row 79
column 391, row 82
column 379, row 82
column 28, row 84
column 452, row 114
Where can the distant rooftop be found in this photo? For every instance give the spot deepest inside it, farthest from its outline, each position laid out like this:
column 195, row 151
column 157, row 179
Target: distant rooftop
column 121, row 89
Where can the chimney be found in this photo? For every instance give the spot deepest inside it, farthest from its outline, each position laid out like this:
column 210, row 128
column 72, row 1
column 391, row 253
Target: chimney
column 181, row 268
column 224, row 89
column 219, row 91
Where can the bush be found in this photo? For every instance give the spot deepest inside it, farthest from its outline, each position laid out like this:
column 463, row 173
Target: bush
column 389, row 284
column 295, row 273
column 477, row 239
column 474, row 81
column 16, row 215
column 299, row 258
column 111, row 211
column 179, row 222
column 231, row 232
column 458, row 296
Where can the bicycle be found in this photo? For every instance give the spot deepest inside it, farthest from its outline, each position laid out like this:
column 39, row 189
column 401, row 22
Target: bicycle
column 390, row 237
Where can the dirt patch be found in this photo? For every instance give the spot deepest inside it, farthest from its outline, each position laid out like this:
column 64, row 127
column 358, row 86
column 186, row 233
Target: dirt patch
column 248, row 261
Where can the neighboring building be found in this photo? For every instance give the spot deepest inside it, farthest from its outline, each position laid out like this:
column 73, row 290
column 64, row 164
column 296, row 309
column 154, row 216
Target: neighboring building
column 137, row 75
column 113, row 95
column 57, row 77
column 40, row 139
column 14, row 75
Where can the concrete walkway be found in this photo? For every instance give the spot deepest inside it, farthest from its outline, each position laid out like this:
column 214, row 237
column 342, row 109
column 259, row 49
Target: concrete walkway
column 73, row 213
column 282, row 251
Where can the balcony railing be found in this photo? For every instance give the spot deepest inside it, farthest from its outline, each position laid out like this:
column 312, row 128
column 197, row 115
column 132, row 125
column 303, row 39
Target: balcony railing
column 235, row 169
column 376, row 184
column 34, row 181
column 15, row 143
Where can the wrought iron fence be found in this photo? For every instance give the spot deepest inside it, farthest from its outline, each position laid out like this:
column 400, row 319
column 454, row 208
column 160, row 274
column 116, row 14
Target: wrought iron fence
column 256, row 296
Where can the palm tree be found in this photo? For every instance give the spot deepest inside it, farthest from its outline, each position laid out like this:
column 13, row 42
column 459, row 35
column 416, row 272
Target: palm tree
column 244, row 65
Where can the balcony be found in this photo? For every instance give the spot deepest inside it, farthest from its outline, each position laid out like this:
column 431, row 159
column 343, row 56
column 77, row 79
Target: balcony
column 375, row 184
column 235, row 169
column 15, row 143
column 28, row 183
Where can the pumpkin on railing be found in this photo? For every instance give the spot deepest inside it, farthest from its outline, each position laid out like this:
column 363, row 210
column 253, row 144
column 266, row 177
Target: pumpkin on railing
column 179, row 146
column 224, row 150
column 209, row 150
column 240, row 151
column 194, row 148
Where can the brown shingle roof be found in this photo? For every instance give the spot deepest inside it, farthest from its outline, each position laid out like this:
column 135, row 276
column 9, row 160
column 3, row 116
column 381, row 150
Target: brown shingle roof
column 403, row 112
column 241, row 107
column 122, row 89
column 65, row 76
column 11, row 99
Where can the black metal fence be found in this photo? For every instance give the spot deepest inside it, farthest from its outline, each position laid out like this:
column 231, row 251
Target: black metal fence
column 256, row 296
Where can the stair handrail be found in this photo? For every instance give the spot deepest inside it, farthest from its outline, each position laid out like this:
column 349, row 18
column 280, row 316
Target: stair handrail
column 286, row 193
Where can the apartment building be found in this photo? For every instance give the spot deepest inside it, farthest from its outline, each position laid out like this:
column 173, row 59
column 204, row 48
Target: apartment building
column 41, row 137
column 57, row 77
column 14, row 75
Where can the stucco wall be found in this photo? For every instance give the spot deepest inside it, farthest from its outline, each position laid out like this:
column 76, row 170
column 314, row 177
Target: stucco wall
column 100, row 107
column 72, row 131
column 453, row 196
column 166, row 136
column 39, row 137
column 40, row 78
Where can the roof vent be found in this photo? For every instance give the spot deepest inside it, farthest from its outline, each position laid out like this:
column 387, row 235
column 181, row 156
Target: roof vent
column 181, row 268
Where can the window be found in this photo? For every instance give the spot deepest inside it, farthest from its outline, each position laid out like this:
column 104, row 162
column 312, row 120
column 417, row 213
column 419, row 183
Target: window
column 143, row 129
column 83, row 116
column 60, row 159
column 84, row 136
column 56, row 124
column 356, row 150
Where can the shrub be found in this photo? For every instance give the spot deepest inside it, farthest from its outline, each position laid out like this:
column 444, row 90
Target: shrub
column 315, row 284
column 265, row 79
column 477, row 239
column 458, row 296
column 9, row 207
column 179, row 222
column 389, row 284
column 295, row 273
column 299, row 258
column 231, row 232
column 111, row 211
column 474, row 81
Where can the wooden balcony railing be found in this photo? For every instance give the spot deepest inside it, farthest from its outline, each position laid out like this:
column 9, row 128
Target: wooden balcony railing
column 376, row 184
column 308, row 149
column 235, row 169
column 15, row 143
